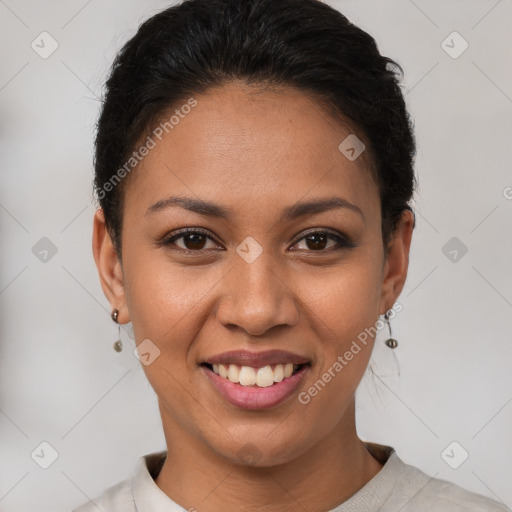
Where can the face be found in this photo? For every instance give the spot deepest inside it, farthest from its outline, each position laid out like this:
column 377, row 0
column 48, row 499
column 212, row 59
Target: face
column 280, row 270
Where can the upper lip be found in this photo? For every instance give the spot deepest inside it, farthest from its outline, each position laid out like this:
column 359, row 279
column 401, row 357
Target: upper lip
column 256, row 359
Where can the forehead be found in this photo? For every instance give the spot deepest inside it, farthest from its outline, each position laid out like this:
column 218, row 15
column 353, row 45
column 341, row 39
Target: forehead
column 242, row 144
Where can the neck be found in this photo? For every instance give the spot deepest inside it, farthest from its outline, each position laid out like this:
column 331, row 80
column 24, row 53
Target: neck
column 324, row 476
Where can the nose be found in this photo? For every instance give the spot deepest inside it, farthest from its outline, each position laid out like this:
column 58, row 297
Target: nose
column 256, row 298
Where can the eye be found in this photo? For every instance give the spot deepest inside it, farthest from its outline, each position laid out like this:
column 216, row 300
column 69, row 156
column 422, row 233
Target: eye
column 321, row 241
column 196, row 240
column 192, row 240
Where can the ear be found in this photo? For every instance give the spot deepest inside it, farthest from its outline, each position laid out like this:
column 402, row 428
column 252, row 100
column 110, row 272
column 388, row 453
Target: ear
column 109, row 267
column 397, row 262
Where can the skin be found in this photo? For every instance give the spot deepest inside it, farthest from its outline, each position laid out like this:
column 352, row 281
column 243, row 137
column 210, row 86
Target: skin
column 255, row 151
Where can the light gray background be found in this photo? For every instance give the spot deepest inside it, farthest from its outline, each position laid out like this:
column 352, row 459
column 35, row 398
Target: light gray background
column 61, row 381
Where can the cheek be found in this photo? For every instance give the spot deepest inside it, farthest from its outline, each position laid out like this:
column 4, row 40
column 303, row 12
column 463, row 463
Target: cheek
column 342, row 310
column 345, row 299
column 164, row 298
column 343, row 315
column 167, row 305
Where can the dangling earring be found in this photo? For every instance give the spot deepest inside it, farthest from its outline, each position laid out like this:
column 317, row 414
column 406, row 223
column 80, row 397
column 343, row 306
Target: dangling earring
column 118, row 345
column 390, row 342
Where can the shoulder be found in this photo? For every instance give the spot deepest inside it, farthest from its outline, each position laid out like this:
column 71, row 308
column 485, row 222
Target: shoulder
column 420, row 492
column 134, row 492
column 119, row 497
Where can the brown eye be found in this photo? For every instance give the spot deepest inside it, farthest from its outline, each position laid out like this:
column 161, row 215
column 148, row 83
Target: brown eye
column 191, row 240
column 316, row 242
column 194, row 241
column 321, row 241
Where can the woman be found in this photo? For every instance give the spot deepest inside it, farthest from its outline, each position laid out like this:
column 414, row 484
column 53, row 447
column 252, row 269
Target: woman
column 254, row 167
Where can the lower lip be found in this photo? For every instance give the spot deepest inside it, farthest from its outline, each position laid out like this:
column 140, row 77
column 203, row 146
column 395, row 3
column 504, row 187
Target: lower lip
column 255, row 398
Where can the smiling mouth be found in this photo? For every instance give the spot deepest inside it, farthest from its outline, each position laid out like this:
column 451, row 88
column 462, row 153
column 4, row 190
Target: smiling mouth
column 249, row 376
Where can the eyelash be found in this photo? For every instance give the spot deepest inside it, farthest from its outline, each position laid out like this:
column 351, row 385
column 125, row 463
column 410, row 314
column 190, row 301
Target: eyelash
column 342, row 241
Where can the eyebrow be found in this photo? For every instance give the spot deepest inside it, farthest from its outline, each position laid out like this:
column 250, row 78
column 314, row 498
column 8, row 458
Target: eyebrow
column 319, row 206
column 194, row 205
column 292, row 212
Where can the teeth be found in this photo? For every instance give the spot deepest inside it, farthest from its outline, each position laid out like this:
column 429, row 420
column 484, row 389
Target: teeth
column 233, row 373
column 223, row 371
column 265, row 377
column 278, row 373
column 248, row 376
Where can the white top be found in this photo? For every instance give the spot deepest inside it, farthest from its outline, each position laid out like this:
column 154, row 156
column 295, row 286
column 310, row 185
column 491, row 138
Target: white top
column 396, row 487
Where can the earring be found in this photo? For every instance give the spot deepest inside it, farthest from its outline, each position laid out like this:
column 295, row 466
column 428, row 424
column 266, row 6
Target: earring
column 390, row 342
column 118, row 345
